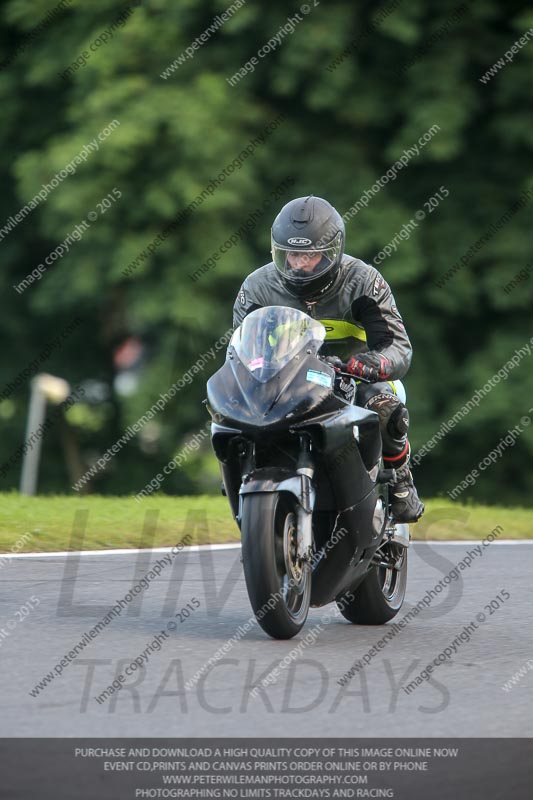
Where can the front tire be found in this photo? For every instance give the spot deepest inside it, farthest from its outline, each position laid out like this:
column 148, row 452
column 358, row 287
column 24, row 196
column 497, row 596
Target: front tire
column 278, row 584
column 380, row 596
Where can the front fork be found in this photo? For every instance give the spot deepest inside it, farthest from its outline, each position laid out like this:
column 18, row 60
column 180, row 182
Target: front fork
column 301, row 486
column 306, row 471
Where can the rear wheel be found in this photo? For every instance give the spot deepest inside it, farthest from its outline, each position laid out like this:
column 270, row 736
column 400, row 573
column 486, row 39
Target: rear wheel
column 278, row 582
column 380, row 596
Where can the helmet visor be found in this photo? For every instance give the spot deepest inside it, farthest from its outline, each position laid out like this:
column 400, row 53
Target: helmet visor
column 301, row 266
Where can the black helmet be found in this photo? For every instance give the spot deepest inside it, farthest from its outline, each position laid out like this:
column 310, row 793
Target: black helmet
column 308, row 226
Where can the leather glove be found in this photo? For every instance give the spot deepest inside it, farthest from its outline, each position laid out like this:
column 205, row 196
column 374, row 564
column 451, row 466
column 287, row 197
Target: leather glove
column 371, row 367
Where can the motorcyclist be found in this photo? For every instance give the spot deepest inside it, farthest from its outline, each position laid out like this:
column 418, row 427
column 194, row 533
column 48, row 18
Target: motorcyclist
column 364, row 329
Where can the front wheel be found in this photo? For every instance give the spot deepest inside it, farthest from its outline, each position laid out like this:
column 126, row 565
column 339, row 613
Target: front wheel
column 278, row 582
column 380, row 596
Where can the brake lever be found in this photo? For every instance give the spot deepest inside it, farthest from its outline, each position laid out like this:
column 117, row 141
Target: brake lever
column 341, row 372
column 356, row 378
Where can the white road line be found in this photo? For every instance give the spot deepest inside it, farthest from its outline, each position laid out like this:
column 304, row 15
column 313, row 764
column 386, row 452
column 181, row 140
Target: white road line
column 466, row 542
column 233, row 546
column 193, row 548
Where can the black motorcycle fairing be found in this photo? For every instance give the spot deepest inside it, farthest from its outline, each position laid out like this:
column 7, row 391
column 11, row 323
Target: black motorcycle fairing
column 221, row 438
column 347, row 564
column 226, row 442
column 333, row 431
column 234, row 393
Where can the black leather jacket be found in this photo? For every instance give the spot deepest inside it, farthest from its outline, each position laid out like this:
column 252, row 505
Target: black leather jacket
column 357, row 309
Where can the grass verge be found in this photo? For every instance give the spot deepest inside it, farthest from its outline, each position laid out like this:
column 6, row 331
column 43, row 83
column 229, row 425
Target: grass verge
column 46, row 524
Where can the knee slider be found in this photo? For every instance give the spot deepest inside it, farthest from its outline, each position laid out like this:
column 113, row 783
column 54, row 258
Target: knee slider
column 398, row 424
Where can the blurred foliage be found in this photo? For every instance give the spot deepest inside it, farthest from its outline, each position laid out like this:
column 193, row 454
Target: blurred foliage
column 344, row 127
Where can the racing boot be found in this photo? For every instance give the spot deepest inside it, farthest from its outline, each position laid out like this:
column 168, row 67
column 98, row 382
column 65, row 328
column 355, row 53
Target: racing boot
column 406, row 505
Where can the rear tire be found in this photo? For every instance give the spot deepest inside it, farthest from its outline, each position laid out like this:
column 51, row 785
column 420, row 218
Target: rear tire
column 380, row 596
column 279, row 587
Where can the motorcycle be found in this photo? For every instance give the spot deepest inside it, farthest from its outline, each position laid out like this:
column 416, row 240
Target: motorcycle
column 303, row 473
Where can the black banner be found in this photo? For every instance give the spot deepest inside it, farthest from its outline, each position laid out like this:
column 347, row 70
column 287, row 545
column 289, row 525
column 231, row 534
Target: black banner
column 405, row 769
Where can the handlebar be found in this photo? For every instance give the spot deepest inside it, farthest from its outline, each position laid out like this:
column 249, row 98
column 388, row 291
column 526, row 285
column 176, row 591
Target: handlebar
column 342, row 372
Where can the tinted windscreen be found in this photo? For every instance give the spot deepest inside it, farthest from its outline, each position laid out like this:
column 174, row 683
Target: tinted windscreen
column 269, row 337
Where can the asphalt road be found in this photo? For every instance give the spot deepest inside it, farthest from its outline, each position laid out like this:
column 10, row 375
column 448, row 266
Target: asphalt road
column 71, row 594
